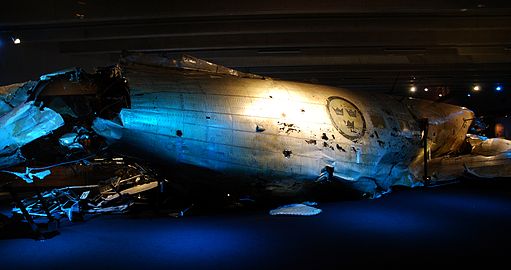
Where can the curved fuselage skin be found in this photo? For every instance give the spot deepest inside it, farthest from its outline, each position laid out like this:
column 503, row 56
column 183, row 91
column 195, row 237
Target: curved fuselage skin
column 282, row 132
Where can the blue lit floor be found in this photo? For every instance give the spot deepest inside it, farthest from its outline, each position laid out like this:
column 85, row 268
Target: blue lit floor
column 460, row 225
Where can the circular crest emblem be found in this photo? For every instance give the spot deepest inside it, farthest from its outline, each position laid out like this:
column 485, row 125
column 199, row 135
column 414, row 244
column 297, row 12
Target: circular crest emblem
column 346, row 117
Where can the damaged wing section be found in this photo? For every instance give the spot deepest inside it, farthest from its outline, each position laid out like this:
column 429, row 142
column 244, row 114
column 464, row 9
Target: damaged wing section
column 488, row 158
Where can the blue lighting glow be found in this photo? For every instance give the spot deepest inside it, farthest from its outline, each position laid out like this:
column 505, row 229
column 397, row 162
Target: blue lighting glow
column 378, row 219
column 200, row 243
column 467, row 203
column 498, row 88
column 468, row 95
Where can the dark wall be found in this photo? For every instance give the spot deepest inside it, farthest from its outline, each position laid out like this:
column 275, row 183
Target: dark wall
column 373, row 45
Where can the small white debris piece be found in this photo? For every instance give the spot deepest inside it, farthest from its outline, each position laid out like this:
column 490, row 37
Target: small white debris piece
column 84, row 195
column 297, row 209
column 71, row 140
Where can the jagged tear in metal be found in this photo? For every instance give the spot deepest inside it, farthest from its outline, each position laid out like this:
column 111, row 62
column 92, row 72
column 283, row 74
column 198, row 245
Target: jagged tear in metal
column 287, row 136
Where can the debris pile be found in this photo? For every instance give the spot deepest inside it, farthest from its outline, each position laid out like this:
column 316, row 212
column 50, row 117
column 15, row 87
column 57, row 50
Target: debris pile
column 113, row 195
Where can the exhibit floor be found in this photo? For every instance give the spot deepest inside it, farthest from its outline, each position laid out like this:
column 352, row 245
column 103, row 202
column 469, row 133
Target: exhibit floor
column 460, row 225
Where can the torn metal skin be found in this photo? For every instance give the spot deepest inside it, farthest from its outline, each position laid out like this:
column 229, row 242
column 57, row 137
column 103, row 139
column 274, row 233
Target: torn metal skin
column 283, row 137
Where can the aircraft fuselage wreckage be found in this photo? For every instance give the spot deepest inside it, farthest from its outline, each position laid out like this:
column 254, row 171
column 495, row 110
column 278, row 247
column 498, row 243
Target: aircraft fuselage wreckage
column 278, row 136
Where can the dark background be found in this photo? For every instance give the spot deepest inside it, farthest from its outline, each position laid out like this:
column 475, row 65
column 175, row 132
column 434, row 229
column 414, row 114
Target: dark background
column 383, row 46
column 373, row 45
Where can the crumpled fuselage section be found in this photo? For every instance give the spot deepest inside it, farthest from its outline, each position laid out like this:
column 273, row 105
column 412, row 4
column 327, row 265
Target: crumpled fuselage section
column 282, row 135
column 49, row 120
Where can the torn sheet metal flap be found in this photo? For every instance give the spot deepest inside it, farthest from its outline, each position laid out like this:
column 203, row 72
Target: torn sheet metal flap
column 26, row 123
column 13, row 95
column 185, row 62
column 108, row 129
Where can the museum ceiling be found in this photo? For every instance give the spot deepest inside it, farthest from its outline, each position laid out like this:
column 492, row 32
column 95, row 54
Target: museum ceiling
column 387, row 46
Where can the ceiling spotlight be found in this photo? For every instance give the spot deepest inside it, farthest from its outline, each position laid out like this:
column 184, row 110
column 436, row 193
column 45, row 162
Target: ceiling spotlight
column 426, row 89
column 413, row 89
column 468, row 95
column 16, row 40
column 477, row 88
column 440, row 95
column 498, row 88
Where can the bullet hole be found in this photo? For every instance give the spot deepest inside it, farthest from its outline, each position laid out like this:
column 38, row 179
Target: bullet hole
column 288, row 128
column 340, row 148
column 260, row 128
column 179, row 133
column 303, row 110
column 311, row 142
column 333, row 137
column 287, row 153
column 271, row 97
column 208, row 117
column 324, row 137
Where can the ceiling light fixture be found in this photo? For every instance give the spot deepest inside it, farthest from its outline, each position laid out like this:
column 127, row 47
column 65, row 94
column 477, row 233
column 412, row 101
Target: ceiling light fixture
column 16, row 40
